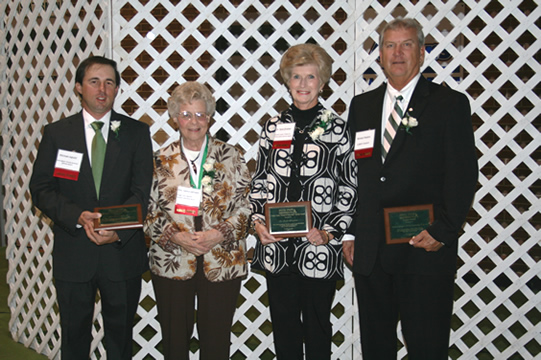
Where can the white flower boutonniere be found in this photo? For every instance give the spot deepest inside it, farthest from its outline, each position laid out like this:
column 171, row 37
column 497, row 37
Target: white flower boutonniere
column 115, row 127
column 319, row 128
column 409, row 122
column 207, row 181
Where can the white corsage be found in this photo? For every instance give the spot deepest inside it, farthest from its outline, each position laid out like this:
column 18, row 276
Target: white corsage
column 409, row 122
column 207, row 181
column 115, row 127
column 316, row 133
column 320, row 127
column 209, row 165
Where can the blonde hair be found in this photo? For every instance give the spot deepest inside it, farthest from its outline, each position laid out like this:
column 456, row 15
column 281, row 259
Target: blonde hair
column 306, row 54
column 188, row 92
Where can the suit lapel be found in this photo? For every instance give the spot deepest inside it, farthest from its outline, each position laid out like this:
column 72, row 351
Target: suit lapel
column 113, row 150
column 374, row 116
column 417, row 104
column 419, row 99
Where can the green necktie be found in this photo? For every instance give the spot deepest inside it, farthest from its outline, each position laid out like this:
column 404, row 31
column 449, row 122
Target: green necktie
column 98, row 154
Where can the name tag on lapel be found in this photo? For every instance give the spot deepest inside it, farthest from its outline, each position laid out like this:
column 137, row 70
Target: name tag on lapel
column 283, row 136
column 68, row 165
column 364, row 143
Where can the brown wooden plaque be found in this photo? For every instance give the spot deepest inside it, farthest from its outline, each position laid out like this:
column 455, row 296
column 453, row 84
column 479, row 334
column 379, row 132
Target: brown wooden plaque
column 290, row 219
column 119, row 217
column 404, row 222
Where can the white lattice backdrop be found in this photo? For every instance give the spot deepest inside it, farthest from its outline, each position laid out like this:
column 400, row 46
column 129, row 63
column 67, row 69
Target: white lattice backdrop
column 488, row 49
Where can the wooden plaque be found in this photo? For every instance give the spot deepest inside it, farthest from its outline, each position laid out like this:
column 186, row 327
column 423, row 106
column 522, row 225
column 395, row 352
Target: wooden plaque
column 401, row 223
column 119, row 217
column 290, row 219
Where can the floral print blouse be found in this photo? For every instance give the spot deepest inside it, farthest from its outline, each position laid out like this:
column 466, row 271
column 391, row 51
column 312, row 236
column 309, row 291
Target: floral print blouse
column 224, row 207
column 328, row 175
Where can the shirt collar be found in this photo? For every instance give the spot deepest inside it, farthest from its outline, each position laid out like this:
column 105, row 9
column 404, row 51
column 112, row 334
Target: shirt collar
column 89, row 119
column 406, row 91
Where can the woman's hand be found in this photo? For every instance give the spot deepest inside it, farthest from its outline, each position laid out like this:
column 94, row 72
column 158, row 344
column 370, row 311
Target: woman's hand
column 208, row 239
column 187, row 241
column 263, row 234
column 318, row 237
column 198, row 243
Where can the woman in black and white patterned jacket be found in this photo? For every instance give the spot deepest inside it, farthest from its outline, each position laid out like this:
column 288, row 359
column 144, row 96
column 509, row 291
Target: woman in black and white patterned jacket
column 315, row 164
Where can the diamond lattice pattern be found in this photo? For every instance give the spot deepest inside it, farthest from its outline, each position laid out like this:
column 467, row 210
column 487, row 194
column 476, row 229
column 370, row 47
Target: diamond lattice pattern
column 489, row 50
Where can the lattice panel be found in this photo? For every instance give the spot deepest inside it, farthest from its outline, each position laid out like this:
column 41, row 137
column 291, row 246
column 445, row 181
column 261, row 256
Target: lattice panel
column 44, row 41
column 488, row 49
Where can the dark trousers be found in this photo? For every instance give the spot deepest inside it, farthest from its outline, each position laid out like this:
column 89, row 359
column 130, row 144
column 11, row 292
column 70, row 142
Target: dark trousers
column 119, row 300
column 424, row 304
column 216, row 304
column 289, row 297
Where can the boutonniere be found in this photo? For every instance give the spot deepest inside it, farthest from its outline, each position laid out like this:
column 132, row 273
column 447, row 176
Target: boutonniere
column 408, row 122
column 207, row 181
column 115, row 127
column 319, row 128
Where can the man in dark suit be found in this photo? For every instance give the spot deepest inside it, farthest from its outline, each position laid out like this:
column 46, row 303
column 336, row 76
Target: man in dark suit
column 427, row 157
column 73, row 155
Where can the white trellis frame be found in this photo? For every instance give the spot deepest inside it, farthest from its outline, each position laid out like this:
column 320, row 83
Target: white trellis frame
column 488, row 49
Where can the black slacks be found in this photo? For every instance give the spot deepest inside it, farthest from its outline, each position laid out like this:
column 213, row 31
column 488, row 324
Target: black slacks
column 216, row 305
column 424, row 305
column 292, row 296
column 119, row 300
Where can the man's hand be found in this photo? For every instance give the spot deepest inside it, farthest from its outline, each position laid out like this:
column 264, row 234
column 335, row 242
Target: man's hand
column 88, row 217
column 425, row 241
column 101, row 237
column 348, row 248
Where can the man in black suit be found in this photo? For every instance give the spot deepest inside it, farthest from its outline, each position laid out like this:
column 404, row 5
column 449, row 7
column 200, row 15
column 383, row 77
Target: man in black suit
column 73, row 155
column 428, row 157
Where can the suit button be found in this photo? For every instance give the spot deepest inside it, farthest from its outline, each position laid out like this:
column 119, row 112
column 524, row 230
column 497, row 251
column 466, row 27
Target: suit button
column 382, row 179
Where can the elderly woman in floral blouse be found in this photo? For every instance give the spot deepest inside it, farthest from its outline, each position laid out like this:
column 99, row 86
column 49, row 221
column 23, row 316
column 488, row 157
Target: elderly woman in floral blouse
column 197, row 220
column 316, row 164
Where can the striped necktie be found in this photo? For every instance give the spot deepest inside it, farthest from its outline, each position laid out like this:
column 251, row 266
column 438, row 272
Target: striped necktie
column 390, row 128
column 98, row 154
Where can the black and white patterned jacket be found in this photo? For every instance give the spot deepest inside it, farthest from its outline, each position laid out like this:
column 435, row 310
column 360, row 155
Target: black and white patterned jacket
column 327, row 172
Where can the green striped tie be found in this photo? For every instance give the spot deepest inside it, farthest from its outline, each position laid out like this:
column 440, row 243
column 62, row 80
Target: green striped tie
column 98, row 154
column 391, row 127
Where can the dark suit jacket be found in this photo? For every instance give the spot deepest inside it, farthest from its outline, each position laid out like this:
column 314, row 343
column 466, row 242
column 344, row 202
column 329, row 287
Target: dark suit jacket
column 127, row 176
column 435, row 164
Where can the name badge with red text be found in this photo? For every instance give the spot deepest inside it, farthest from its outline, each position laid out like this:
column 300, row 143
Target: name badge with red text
column 364, row 143
column 283, row 136
column 188, row 200
column 68, row 165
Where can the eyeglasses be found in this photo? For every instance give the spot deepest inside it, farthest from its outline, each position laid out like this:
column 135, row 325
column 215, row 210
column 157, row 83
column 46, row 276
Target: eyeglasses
column 187, row 116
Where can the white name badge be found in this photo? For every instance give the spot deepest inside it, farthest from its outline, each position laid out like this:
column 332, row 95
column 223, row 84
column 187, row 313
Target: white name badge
column 188, row 200
column 68, row 165
column 283, row 136
column 364, row 143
